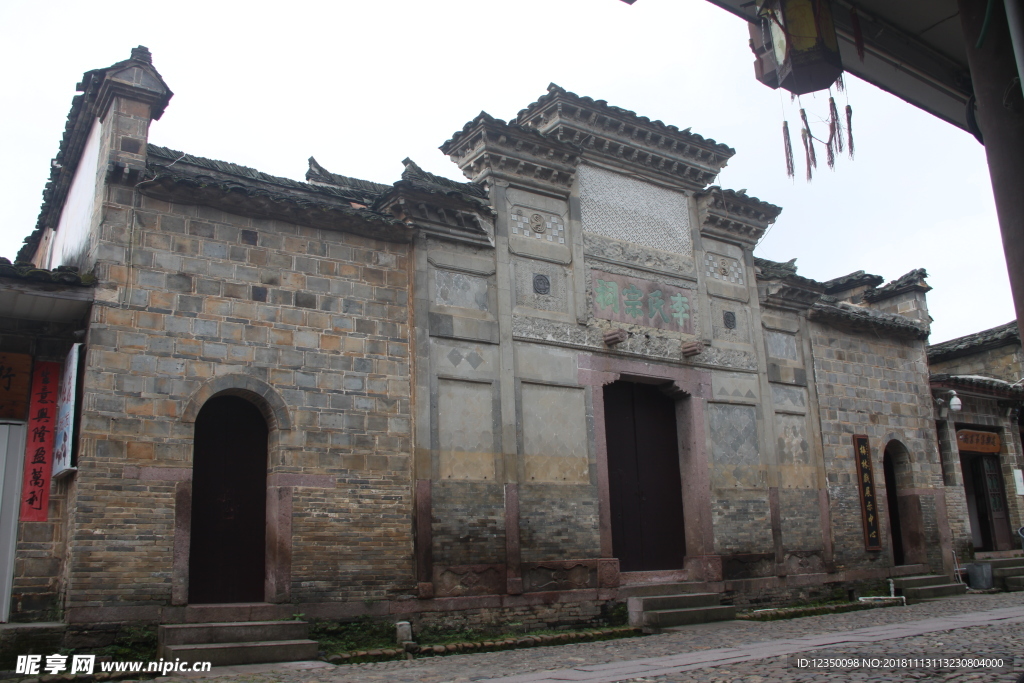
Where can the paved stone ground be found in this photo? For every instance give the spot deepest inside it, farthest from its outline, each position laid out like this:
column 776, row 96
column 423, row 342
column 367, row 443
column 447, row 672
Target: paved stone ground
column 1003, row 638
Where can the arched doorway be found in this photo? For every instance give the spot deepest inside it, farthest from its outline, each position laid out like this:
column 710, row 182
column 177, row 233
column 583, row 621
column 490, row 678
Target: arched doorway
column 906, row 522
column 645, row 487
column 227, row 555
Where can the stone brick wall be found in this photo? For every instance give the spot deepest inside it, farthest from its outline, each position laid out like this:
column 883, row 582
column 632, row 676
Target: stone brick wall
column 879, row 387
column 318, row 319
column 1003, row 363
column 468, row 523
column 557, row 521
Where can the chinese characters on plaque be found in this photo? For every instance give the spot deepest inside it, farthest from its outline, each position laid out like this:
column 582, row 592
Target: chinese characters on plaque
column 42, row 417
column 64, row 434
column 977, row 442
column 868, row 496
column 15, row 375
column 642, row 302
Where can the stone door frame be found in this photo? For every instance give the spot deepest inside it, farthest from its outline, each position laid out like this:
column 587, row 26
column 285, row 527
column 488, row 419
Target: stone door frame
column 691, row 388
column 277, row 580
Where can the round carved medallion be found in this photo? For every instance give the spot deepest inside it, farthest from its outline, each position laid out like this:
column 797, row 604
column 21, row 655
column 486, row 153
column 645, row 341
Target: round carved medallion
column 537, row 223
column 541, row 284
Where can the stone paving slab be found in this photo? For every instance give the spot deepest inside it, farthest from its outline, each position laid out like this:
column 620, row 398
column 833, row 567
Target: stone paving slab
column 720, row 652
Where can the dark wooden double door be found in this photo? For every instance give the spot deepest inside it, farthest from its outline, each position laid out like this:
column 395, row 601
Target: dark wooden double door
column 983, row 482
column 227, row 555
column 645, row 487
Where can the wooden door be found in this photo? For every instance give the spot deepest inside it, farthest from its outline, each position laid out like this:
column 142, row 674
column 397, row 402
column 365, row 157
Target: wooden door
column 645, row 487
column 893, row 504
column 227, row 557
column 993, row 498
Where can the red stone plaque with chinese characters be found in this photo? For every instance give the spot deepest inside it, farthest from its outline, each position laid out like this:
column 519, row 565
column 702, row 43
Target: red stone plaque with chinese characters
column 35, row 490
column 868, row 497
column 642, row 302
column 977, row 442
column 15, row 375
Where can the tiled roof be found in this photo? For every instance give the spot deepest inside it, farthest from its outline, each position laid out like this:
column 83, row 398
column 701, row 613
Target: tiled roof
column 864, row 318
column 414, row 173
column 484, row 117
column 915, row 279
column 993, row 338
column 63, row 275
column 978, row 383
column 851, row 281
column 180, row 161
column 76, row 131
column 556, row 90
column 775, row 269
column 365, row 190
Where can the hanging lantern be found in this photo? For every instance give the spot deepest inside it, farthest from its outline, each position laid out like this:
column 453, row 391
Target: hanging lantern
column 804, row 44
column 765, row 67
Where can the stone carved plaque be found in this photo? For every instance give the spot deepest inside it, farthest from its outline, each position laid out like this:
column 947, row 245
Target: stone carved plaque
column 642, row 302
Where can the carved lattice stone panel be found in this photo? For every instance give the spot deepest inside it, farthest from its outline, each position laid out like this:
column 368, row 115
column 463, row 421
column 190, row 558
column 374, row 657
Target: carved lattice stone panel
column 624, row 208
column 733, row 434
column 538, row 225
column 723, row 268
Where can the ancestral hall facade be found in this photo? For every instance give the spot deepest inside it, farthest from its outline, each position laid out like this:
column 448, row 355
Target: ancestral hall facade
column 506, row 397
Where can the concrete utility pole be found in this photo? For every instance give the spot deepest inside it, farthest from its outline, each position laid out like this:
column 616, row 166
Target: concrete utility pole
column 1001, row 119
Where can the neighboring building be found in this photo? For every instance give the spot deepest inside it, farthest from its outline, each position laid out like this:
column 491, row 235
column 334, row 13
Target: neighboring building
column 981, row 442
column 510, row 397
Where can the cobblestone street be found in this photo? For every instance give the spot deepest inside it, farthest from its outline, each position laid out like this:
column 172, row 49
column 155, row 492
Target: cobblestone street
column 942, row 629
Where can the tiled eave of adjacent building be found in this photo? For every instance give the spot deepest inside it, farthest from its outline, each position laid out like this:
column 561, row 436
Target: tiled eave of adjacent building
column 986, row 340
column 978, row 385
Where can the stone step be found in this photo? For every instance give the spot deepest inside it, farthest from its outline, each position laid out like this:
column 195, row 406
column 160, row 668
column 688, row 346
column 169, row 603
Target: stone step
column 256, row 652
column 930, row 592
column 1003, row 572
column 1006, row 563
column 680, row 601
column 919, row 581
column 646, row 589
column 1015, row 583
column 231, row 632
column 657, row 620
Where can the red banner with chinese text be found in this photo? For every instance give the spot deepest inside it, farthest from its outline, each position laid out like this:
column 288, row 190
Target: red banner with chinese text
column 35, row 489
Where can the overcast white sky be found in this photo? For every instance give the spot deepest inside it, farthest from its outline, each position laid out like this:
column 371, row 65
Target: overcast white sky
column 362, row 85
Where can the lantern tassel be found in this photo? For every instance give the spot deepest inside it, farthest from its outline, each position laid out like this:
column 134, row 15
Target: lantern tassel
column 808, row 150
column 849, row 130
column 858, row 34
column 790, row 167
column 812, row 159
column 840, row 84
column 833, row 114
